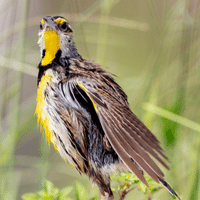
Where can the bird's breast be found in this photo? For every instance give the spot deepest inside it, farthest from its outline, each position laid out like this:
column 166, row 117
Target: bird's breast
column 41, row 108
column 55, row 118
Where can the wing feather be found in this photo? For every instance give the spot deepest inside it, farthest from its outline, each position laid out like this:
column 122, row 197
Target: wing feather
column 137, row 135
column 121, row 152
column 133, row 150
column 137, row 145
column 129, row 137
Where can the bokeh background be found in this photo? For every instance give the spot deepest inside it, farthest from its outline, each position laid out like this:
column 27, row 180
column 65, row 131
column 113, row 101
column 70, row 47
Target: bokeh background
column 153, row 48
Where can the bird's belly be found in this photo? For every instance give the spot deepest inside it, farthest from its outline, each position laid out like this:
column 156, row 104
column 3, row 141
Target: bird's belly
column 62, row 138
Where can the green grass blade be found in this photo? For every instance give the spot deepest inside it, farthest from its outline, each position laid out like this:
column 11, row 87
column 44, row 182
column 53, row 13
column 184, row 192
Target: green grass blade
column 171, row 116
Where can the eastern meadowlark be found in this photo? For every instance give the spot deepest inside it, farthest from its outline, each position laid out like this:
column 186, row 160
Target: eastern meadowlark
column 86, row 115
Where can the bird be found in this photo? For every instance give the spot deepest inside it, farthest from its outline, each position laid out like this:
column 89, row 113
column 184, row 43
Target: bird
column 86, row 114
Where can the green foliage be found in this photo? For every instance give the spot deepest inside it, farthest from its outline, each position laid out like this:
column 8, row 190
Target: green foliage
column 49, row 192
column 120, row 182
column 128, row 181
column 80, row 190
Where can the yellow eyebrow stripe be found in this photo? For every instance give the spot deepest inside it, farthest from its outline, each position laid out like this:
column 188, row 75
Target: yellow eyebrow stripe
column 59, row 20
column 86, row 90
column 42, row 21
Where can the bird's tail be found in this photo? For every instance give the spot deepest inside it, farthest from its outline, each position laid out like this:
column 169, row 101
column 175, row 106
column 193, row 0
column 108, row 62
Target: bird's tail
column 168, row 187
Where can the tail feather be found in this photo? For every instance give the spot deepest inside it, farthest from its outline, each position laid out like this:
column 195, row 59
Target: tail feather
column 168, row 187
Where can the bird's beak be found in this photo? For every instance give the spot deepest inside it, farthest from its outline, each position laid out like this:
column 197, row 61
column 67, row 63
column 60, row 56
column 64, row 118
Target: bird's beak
column 49, row 23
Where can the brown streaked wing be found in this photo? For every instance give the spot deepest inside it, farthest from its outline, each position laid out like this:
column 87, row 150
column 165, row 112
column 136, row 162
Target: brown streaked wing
column 121, row 152
column 134, row 144
column 133, row 126
column 135, row 133
column 135, row 152
column 144, row 132
column 127, row 134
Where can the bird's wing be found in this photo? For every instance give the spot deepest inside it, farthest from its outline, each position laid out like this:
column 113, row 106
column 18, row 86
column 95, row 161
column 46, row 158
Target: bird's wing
column 129, row 137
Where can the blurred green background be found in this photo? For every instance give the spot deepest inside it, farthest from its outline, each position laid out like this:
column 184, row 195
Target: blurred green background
column 153, row 47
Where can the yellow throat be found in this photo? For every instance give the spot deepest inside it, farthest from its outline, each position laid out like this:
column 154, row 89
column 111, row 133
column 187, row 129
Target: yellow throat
column 51, row 45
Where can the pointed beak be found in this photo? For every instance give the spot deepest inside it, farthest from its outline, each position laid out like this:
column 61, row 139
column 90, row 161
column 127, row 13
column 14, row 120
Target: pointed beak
column 49, row 23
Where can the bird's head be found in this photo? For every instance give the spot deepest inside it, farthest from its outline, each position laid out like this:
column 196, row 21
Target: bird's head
column 55, row 39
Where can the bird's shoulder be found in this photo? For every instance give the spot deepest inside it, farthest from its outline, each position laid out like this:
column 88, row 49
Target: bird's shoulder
column 94, row 78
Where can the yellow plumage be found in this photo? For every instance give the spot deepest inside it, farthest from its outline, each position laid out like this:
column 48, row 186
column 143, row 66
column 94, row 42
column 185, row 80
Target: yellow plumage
column 41, row 104
column 51, row 45
column 59, row 20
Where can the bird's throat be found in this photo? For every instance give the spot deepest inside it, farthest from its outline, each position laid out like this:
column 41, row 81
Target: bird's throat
column 51, row 45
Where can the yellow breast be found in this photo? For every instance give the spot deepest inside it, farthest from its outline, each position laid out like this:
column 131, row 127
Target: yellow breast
column 40, row 111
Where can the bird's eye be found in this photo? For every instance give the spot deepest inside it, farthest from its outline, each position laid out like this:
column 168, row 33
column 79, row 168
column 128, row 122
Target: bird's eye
column 64, row 26
column 41, row 26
